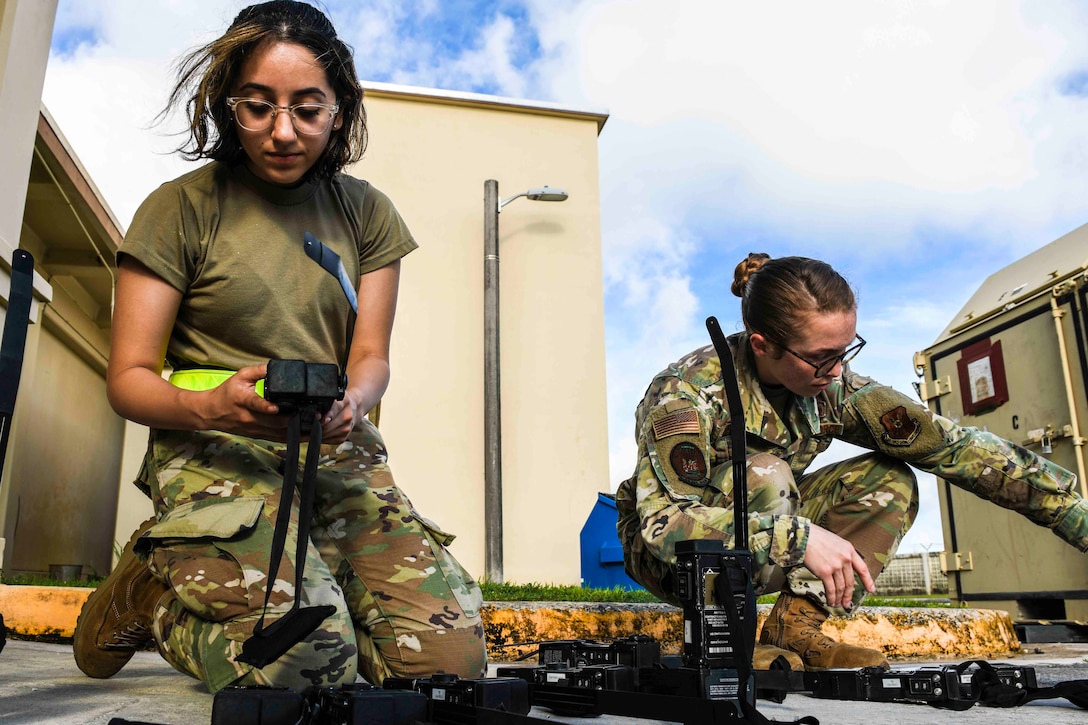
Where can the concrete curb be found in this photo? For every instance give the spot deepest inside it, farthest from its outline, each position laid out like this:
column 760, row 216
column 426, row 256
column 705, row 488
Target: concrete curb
column 898, row 632
column 512, row 628
column 46, row 613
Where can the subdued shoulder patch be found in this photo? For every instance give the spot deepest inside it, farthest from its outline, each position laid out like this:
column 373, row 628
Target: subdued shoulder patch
column 679, row 448
column 680, row 422
column 689, row 463
column 900, row 428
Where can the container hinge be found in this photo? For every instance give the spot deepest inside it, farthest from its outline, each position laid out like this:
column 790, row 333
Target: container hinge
column 929, row 390
column 960, row 561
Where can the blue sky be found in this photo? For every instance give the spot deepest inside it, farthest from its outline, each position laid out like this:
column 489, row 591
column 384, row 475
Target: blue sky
column 917, row 146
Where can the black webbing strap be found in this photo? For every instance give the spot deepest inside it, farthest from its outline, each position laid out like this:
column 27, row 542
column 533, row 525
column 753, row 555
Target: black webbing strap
column 13, row 343
column 988, row 690
column 1076, row 691
column 269, row 643
column 744, row 663
column 723, row 590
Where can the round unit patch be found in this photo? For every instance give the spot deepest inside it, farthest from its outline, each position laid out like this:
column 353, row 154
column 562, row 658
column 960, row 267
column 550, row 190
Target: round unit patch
column 688, row 462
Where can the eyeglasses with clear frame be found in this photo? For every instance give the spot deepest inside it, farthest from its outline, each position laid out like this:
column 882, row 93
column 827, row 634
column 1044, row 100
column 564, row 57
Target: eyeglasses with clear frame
column 257, row 114
column 824, row 367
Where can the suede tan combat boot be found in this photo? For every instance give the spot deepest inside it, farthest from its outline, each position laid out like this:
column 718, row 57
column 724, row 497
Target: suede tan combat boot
column 794, row 624
column 116, row 619
column 765, row 654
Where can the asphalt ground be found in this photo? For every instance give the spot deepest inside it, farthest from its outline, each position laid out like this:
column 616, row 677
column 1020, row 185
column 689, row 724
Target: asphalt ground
column 39, row 683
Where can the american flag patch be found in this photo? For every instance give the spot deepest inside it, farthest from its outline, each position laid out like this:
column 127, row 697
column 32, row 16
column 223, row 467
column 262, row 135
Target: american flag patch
column 678, row 423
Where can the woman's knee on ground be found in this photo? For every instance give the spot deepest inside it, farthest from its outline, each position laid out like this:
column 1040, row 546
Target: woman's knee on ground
column 421, row 653
column 209, row 650
column 213, row 556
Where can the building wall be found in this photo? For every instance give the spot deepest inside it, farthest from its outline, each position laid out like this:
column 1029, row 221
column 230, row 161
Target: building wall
column 432, row 158
column 65, row 474
column 906, row 574
column 65, row 451
column 26, row 28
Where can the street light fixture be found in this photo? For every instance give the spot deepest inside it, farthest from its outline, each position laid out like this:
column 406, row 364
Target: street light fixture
column 492, row 391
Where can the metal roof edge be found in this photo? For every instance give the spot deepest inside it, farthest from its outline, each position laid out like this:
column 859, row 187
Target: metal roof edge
column 55, row 128
column 439, row 95
column 1074, row 266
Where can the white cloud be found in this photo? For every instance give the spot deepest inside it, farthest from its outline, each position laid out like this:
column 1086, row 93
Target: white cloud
column 884, row 113
column 491, row 62
column 387, row 45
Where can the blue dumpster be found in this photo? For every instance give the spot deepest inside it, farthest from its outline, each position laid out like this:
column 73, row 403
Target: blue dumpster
column 602, row 555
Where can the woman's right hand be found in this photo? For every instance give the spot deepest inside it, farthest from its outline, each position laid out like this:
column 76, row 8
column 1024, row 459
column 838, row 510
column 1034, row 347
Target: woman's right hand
column 145, row 309
column 835, row 560
column 234, row 407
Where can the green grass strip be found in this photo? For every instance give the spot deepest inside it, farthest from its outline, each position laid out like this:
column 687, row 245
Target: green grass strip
column 535, row 592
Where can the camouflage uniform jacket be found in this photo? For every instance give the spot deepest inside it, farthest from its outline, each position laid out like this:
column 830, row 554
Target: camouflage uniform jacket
column 684, row 466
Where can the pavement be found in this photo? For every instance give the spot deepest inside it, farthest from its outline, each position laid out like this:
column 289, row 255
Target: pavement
column 39, row 683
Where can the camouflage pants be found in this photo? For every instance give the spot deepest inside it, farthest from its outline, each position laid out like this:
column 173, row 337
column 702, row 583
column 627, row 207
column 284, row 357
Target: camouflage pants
column 403, row 605
column 870, row 500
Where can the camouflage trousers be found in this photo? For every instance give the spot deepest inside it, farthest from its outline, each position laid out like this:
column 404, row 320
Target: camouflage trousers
column 870, row 500
column 403, row 605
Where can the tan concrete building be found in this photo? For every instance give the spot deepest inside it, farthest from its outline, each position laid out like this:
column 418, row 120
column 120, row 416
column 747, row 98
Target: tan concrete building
column 431, row 152
column 58, row 493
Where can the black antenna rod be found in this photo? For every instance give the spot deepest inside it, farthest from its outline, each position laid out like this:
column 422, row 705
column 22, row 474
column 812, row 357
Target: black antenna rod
column 737, row 433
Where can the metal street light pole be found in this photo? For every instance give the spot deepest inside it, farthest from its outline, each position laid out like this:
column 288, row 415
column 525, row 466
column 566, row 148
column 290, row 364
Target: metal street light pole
column 492, row 388
column 492, row 408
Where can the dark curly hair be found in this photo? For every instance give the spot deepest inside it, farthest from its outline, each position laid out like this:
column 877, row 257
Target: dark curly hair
column 777, row 293
column 206, row 75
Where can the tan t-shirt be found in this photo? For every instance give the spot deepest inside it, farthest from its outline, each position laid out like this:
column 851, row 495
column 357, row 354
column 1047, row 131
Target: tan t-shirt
column 232, row 244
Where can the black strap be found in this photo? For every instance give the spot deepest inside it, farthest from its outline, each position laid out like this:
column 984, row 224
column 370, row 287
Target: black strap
column 13, row 343
column 988, row 689
column 745, row 642
column 1076, row 691
column 270, row 643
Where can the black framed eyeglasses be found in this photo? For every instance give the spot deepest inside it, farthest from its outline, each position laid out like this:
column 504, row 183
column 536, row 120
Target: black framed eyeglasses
column 826, row 366
column 256, row 114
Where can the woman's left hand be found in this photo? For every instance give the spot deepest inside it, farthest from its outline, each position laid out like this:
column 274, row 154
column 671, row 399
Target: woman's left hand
column 343, row 416
column 368, row 358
